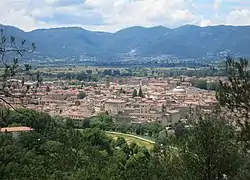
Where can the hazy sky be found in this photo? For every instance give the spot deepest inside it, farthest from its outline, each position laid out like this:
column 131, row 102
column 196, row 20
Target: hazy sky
column 112, row 15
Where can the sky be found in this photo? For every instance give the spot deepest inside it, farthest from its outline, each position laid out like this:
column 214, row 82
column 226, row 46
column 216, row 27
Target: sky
column 113, row 15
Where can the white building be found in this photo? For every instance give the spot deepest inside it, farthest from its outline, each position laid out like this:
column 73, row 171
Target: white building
column 171, row 117
column 114, row 106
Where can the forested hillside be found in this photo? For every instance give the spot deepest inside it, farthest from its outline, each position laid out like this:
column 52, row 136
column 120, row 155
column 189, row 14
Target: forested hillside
column 186, row 41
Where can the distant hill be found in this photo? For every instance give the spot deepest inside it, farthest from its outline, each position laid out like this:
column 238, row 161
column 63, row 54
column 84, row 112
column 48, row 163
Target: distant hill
column 185, row 41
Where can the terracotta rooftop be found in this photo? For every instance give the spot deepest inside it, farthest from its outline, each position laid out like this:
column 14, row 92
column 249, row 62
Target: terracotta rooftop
column 16, row 129
column 114, row 101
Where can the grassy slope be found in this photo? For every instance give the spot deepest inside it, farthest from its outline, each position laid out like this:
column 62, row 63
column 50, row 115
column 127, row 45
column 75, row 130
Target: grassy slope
column 132, row 138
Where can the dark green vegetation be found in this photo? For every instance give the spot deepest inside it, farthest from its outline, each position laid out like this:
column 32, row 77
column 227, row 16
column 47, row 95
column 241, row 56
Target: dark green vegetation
column 55, row 150
column 139, row 94
column 132, row 139
column 204, row 84
column 234, row 95
column 81, row 95
column 185, row 41
column 79, row 73
column 107, row 123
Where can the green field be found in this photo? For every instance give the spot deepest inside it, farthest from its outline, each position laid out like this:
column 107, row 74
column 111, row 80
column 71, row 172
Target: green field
column 132, row 138
column 72, row 69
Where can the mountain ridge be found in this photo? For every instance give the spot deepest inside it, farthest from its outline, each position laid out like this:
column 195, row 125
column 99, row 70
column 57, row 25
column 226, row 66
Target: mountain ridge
column 145, row 27
column 185, row 41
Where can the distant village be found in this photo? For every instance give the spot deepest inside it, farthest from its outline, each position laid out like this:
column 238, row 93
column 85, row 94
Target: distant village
column 134, row 99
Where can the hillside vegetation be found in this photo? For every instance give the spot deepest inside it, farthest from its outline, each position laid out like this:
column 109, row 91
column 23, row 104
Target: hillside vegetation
column 185, row 41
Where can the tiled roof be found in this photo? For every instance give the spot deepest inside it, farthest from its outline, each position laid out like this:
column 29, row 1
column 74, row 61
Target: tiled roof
column 16, row 129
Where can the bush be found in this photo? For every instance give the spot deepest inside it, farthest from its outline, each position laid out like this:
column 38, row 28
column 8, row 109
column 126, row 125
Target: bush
column 81, row 95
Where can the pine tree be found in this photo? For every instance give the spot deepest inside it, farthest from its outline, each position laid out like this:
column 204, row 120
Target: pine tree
column 134, row 93
column 140, row 94
column 47, row 89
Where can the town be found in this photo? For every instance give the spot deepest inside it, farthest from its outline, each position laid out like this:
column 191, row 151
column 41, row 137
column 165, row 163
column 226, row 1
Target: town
column 124, row 90
column 133, row 99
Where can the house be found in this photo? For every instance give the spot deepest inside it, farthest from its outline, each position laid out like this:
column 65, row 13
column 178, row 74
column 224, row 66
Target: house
column 171, row 117
column 114, row 106
column 15, row 131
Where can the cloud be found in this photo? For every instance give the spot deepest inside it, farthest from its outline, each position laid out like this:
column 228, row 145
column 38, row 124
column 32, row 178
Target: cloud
column 86, row 19
column 14, row 12
column 125, row 13
column 58, row 3
column 217, row 4
column 238, row 17
column 112, row 15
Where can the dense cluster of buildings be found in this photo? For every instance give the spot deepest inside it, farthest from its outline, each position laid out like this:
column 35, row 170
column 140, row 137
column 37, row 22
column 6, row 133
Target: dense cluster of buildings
column 166, row 101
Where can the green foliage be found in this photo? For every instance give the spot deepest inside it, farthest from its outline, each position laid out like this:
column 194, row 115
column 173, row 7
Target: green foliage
column 66, row 153
column 180, row 130
column 122, row 91
column 214, row 86
column 103, row 122
column 47, row 89
column 234, row 95
column 211, row 151
column 108, row 123
column 134, row 94
column 153, row 129
column 26, row 117
column 81, row 95
column 120, row 142
column 89, row 71
column 202, row 84
column 56, row 150
column 140, row 94
column 162, row 138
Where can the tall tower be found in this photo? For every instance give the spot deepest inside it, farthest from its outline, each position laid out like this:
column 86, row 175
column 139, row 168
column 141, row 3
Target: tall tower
column 107, row 81
column 141, row 84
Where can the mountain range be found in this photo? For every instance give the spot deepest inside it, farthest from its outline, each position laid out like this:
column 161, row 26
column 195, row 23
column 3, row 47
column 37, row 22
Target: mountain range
column 184, row 41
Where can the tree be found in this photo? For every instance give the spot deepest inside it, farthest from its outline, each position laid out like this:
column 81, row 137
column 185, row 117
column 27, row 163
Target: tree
column 122, row 91
column 47, row 89
column 120, row 141
column 77, row 103
column 81, row 95
column 134, row 94
column 213, row 86
column 202, row 84
column 179, row 130
column 210, row 151
column 116, row 72
column 234, row 94
column 107, row 72
column 89, row 71
column 140, row 94
column 81, row 76
column 87, row 153
column 138, row 166
column 153, row 128
column 10, row 54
